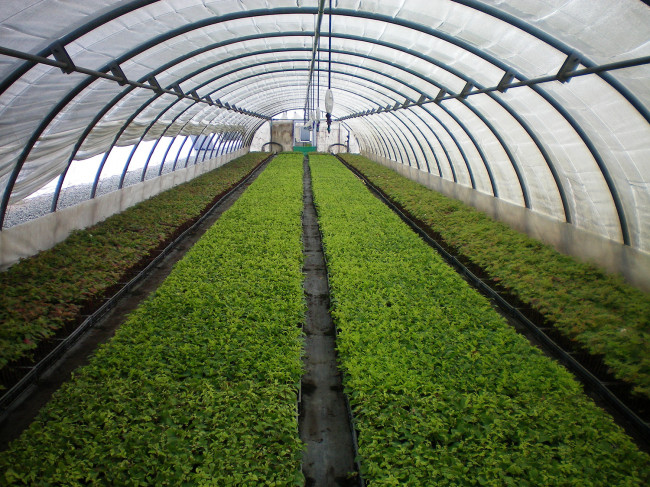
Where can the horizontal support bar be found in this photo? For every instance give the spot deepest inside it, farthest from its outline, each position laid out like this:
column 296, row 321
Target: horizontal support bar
column 506, row 84
column 66, row 67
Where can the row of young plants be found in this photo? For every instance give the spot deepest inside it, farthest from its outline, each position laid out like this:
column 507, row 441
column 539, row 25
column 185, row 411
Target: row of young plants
column 598, row 310
column 40, row 295
column 443, row 391
column 199, row 386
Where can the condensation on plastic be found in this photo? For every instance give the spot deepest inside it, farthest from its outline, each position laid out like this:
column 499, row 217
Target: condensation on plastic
column 420, row 46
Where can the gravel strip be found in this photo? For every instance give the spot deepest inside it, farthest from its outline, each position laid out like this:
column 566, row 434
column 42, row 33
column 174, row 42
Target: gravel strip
column 32, row 208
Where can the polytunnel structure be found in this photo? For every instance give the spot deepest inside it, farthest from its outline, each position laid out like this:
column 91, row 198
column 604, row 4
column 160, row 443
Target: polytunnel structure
column 534, row 112
column 541, row 105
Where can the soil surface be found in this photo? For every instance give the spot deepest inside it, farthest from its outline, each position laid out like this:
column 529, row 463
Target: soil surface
column 324, row 421
column 23, row 411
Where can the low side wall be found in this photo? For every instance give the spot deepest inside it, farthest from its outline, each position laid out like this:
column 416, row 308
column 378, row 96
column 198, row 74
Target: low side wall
column 614, row 257
column 27, row 239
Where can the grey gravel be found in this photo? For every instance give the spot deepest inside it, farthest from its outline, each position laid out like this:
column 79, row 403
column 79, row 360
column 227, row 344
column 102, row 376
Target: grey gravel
column 39, row 206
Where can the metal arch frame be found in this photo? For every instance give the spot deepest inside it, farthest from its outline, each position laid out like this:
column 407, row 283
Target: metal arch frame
column 144, row 134
column 205, row 139
column 213, row 139
column 127, row 163
column 207, row 125
column 549, row 99
column 103, row 112
column 80, row 140
column 378, row 17
column 128, row 90
column 415, row 157
column 396, row 147
column 479, row 150
column 458, row 145
column 558, row 45
column 501, row 102
column 226, row 114
column 146, row 131
column 180, row 150
column 531, row 133
column 407, row 24
column 467, row 132
column 373, row 139
column 153, row 149
column 473, row 4
column 388, row 146
column 444, row 149
column 478, row 114
column 433, row 152
column 373, row 82
column 373, row 132
column 424, row 155
column 108, row 152
column 176, row 61
column 181, row 113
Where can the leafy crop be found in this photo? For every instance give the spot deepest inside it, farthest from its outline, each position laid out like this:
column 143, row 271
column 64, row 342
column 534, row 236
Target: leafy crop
column 598, row 310
column 41, row 294
column 443, row 390
column 199, row 386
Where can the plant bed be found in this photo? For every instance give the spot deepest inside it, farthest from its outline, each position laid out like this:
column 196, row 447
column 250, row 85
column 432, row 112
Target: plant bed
column 595, row 310
column 43, row 296
column 199, row 386
column 443, row 390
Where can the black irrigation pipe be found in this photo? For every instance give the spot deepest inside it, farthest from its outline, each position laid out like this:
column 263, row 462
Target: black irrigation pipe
column 353, row 425
column 642, row 429
column 50, row 359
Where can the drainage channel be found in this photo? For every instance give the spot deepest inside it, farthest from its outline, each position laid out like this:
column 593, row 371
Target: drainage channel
column 324, row 420
column 635, row 426
column 22, row 402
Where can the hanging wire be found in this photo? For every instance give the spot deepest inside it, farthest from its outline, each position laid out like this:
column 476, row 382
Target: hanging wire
column 329, row 68
column 318, row 74
column 328, row 116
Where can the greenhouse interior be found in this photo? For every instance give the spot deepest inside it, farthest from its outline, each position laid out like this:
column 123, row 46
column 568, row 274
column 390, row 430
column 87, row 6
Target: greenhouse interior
column 325, row 242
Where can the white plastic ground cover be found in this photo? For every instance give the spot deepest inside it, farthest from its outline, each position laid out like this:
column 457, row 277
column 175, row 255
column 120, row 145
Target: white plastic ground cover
column 256, row 53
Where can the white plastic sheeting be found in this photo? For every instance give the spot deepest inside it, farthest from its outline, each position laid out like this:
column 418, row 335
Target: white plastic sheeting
column 574, row 151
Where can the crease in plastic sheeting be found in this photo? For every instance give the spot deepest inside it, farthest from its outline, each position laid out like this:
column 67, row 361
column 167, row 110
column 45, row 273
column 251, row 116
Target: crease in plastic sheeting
column 595, row 210
column 601, row 121
column 544, row 193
